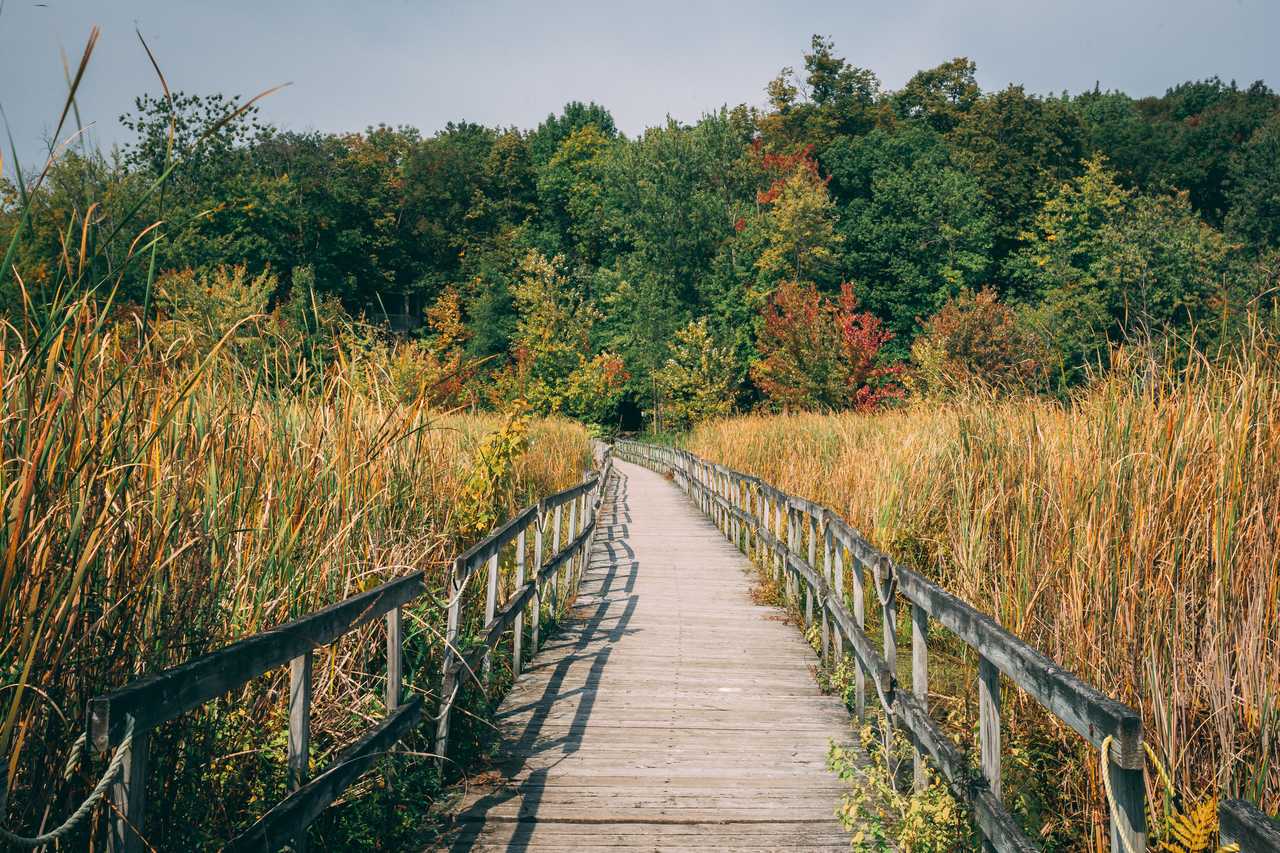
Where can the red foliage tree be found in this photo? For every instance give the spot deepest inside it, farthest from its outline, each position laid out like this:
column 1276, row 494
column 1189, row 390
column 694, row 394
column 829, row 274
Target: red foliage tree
column 779, row 167
column 819, row 353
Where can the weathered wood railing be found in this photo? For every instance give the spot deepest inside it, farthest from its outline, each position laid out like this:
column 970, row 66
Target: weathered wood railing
column 561, row 571
column 774, row 527
column 155, row 699
column 1241, row 822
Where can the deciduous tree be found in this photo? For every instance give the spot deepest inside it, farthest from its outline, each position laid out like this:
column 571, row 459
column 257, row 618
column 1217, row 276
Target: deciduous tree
column 819, row 353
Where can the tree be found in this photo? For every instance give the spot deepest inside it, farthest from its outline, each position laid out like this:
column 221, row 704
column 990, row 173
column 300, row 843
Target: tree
column 820, row 354
column 1206, row 121
column 570, row 195
column 201, row 135
column 1019, row 147
column 554, row 369
column 844, row 96
column 916, row 230
column 1253, row 188
column 1115, row 126
column 977, row 341
column 551, row 134
column 671, row 201
column 798, row 226
column 941, row 96
column 1108, row 264
column 836, row 99
column 697, row 380
column 445, row 186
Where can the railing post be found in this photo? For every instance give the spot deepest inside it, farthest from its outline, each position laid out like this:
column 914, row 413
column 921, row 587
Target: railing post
column 736, row 491
column 555, row 550
column 708, row 491
column 793, row 535
column 826, row 574
column 299, row 720
column 490, row 607
column 919, row 680
column 1128, row 815
column 129, row 796
column 718, row 487
column 780, row 535
column 885, row 590
column 584, row 518
column 517, row 638
column 860, row 619
column 449, row 676
column 567, row 566
column 721, row 515
column 810, row 593
column 395, row 658
column 299, row 745
column 989, row 723
column 539, row 523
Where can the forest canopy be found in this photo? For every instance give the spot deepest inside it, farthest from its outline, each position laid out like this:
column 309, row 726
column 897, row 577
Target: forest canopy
column 901, row 241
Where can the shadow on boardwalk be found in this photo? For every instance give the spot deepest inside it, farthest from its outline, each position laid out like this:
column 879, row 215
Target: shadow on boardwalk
column 670, row 713
column 606, row 603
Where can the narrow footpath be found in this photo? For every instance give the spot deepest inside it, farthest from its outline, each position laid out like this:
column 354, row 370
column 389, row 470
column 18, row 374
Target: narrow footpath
column 671, row 712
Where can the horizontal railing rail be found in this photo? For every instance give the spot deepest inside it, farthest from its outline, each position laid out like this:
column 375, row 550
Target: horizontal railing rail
column 1241, row 822
column 785, row 533
column 144, row 704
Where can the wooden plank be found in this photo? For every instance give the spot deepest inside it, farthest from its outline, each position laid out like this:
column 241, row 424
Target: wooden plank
column 159, row 698
column 907, row 710
column 638, row 710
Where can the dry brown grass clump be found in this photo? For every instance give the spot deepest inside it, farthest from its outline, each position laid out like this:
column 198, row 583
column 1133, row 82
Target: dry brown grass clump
column 154, row 506
column 1132, row 535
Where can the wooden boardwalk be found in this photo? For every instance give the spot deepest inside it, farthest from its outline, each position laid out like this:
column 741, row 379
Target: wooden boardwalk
column 670, row 713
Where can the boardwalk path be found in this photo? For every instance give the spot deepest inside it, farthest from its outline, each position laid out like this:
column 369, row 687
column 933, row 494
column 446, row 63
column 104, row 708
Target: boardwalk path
column 671, row 712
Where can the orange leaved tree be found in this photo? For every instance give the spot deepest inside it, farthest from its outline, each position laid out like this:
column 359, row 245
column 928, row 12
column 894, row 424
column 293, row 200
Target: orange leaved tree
column 820, row 353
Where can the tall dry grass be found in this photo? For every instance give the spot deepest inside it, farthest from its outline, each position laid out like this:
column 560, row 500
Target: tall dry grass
column 178, row 474
column 1133, row 535
column 155, row 505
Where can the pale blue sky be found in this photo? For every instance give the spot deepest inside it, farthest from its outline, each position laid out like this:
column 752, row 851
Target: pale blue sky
column 426, row 63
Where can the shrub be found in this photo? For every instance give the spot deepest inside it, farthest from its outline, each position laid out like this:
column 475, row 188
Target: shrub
column 552, row 370
column 297, row 338
column 819, row 353
column 977, row 341
column 435, row 368
column 697, row 379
